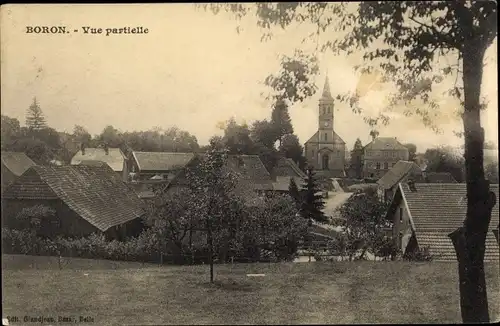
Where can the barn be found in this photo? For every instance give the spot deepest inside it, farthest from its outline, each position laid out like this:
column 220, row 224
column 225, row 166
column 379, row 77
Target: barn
column 85, row 199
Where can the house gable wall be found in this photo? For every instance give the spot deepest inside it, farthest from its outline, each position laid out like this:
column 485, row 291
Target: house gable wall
column 402, row 230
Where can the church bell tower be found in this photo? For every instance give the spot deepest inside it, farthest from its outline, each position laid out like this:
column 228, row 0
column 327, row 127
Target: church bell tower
column 325, row 114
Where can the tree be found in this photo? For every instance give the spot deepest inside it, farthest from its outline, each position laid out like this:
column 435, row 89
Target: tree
column 445, row 159
column 111, row 136
column 363, row 221
column 491, row 172
column 356, row 163
column 237, row 138
column 264, row 136
column 263, row 132
column 214, row 199
column 35, row 217
column 374, row 134
column 490, row 145
column 290, row 147
column 35, row 149
column 293, row 191
column 173, row 219
column 411, row 37
column 81, row 135
column 275, row 225
column 412, row 151
column 280, row 119
column 312, row 204
column 35, row 119
column 10, row 130
column 177, row 140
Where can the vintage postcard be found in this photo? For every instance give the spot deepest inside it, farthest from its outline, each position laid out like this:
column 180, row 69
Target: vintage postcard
column 249, row 163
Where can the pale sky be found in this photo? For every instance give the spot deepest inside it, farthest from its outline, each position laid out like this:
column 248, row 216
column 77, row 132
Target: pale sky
column 191, row 70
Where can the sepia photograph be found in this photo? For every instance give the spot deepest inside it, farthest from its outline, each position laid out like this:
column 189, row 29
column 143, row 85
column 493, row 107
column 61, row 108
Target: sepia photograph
column 288, row 163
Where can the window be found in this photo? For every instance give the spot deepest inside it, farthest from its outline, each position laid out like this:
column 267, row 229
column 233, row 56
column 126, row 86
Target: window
column 401, row 214
column 326, row 136
column 386, row 166
column 378, row 166
column 312, row 153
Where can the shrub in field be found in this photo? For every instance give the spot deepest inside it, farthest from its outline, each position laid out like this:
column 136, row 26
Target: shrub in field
column 420, row 254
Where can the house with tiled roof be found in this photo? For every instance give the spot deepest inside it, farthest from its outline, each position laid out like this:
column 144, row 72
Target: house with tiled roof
column 158, row 165
column 113, row 157
column 253, row 178
column 381, row 154
column 85, row 200
column 425, row 213
column 402, row 171
column 14, row 164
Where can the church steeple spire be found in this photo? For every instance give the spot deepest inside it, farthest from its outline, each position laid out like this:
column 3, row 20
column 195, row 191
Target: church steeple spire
column 327, row 95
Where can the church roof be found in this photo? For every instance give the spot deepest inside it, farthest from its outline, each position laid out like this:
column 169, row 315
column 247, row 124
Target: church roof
column 327, row 95
column 315, row 139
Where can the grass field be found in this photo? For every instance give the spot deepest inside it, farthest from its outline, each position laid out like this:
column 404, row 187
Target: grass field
column 320, row 292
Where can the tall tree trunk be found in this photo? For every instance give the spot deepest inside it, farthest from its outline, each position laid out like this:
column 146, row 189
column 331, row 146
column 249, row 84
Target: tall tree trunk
column 470, row 239
column 210, row 250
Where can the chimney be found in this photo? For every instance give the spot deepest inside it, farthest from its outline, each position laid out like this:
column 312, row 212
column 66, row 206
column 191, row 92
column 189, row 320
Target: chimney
column 411, row 185
column 82, row 148
column 106, row 149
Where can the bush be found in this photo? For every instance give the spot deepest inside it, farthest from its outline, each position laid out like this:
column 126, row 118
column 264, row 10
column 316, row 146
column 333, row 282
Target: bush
column 420, row 254
column 142, row 248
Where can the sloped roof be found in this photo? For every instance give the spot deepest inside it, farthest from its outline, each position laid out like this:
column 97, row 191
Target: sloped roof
column 93, row 163
column 249, row 167
column 250, row 170
column 438, row 209
column 16, row 162
column 441, row 205
column 283, row 183
column 316, row 139
column 97, row 194
column 396, row 173
column 286, row 167
column 114, row 158
column 385, row 143
column 162, row 161
column 442, row 248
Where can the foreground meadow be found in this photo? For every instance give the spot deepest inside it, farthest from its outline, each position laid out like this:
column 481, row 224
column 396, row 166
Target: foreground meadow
column 115, row 293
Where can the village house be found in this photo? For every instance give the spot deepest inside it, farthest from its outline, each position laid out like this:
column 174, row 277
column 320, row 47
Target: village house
column 402, row 171
column 148, row 170
column 85, row 200
column 14, row 164
column 381, row 154
column 325, row 150
column 113, row 157
column 425, row 213
column 157, row 165
column 252, row 174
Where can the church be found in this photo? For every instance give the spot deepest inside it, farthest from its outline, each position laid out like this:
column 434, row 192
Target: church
column 325, row 150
